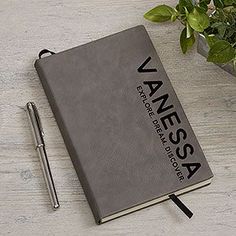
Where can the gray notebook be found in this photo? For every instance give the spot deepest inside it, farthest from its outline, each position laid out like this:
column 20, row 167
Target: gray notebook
column 123, row 125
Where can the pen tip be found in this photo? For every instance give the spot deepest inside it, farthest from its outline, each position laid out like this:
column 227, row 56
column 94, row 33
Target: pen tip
column 56, row 206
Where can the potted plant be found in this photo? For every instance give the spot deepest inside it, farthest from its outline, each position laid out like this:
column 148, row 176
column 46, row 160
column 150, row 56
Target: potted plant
column 215, row 24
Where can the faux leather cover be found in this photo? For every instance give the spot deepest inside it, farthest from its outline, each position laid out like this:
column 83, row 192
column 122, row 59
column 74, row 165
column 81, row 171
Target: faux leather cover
column 102, row 94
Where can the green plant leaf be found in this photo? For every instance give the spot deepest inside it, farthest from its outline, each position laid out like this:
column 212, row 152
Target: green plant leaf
column 186, row 11
column 219, row 3
column 205, row 1
column 186, row 43
column 198, row 21
column 231, row 31
column 202, row 9
column 177, row 7
column 203, row 5
column 229, row 2
column 189, row 30
column 221, row 52
column 185, row 4
column 160, row 13
column 211, row 39
column 216, row 24
column 221, row 30
column 173, row 17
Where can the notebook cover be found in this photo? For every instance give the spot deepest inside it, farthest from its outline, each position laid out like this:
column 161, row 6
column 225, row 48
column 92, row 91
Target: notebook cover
column 123, row 125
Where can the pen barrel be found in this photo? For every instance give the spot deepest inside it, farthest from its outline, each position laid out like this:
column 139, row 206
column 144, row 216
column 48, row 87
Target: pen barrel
column 40, row 147
column 48, row 177
column 34, row 123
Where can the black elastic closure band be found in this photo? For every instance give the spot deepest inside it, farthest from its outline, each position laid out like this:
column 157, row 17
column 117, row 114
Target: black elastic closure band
column 44, row 51
column 180, row 204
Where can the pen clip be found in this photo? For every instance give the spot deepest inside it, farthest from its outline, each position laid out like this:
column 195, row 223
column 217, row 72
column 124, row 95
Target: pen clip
column 37, row 117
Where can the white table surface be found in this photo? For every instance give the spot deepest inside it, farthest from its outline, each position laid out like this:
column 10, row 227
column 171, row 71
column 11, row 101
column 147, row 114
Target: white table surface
column 207, row 93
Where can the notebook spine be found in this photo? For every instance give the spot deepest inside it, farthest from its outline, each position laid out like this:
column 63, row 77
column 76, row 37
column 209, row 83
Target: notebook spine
column 69, row 145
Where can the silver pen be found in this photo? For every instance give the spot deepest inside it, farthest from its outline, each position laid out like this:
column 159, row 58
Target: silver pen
column 38, row 134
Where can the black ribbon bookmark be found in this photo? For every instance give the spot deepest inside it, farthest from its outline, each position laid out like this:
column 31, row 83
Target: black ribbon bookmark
column 44, row 51
column 180, row 204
